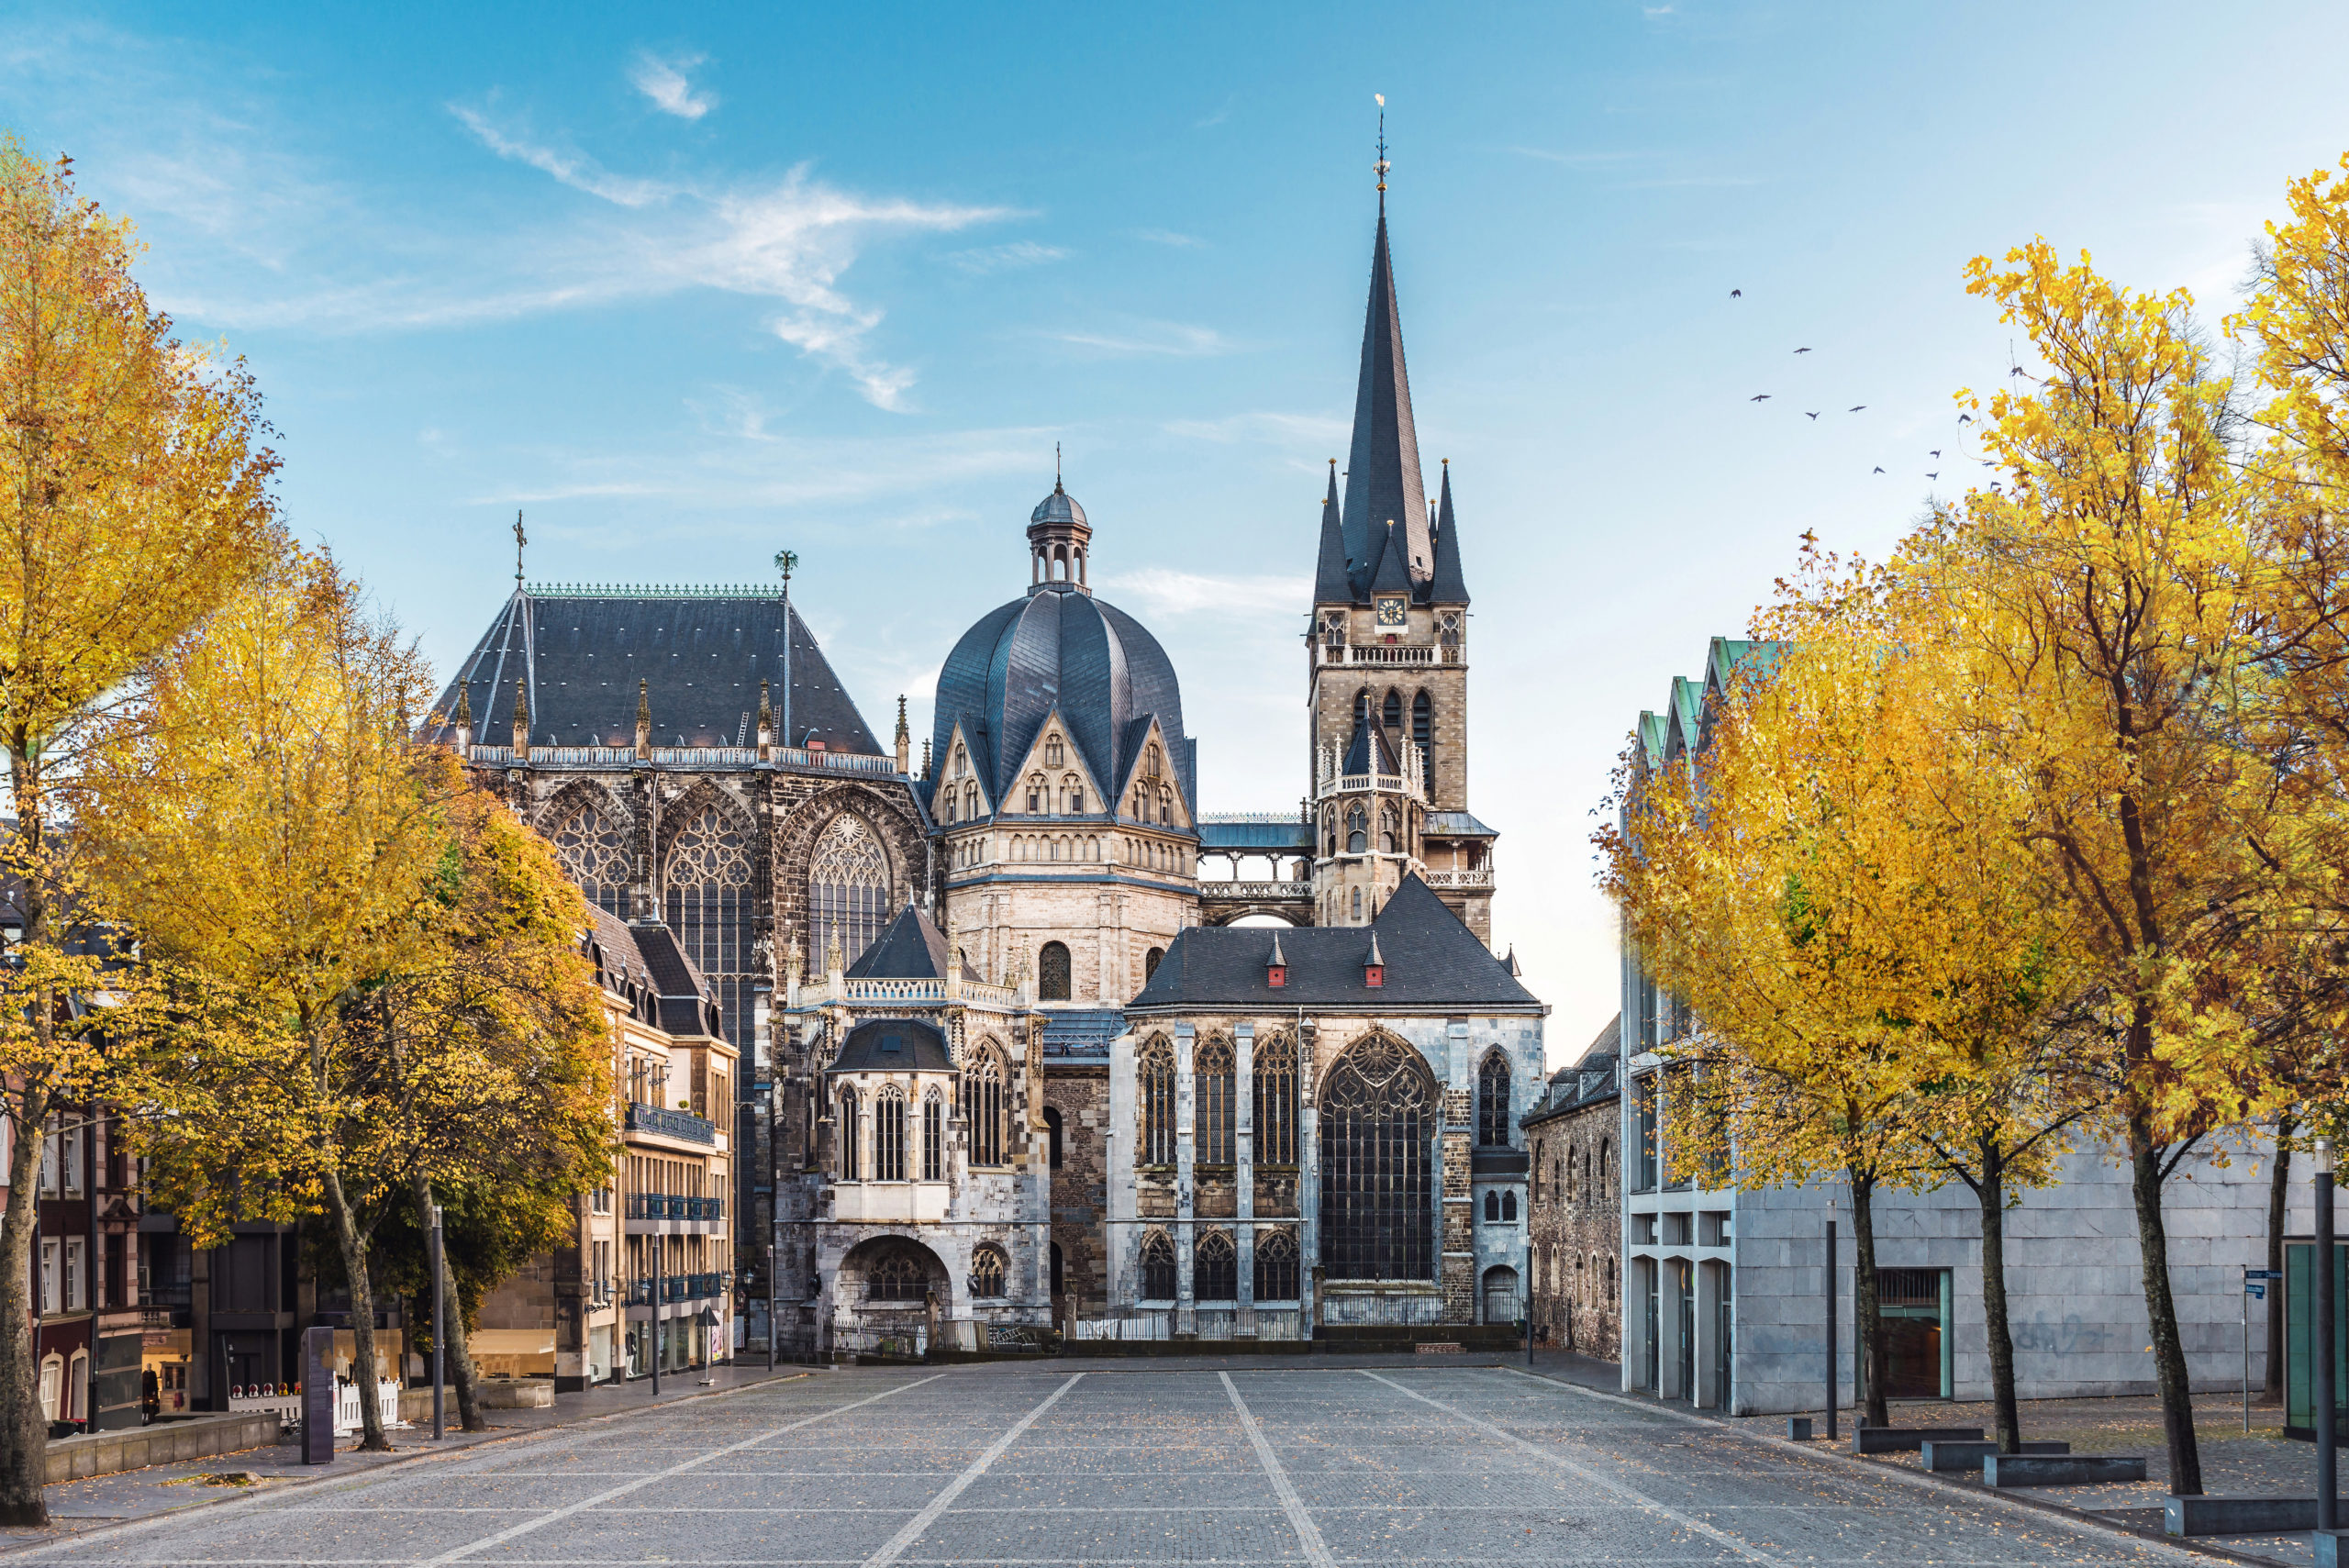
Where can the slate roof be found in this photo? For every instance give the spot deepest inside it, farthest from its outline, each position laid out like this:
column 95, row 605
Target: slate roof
column 701, row 657
column 911, row 948
column 1369, row 746
column 1081, row 1033
column 1450, row 587
column 1059, row 647
column 1434, row 964
column 893, row 1045
column 1331, row 583
column 1592, row 1078
column 1457, row 825
column 645, row 963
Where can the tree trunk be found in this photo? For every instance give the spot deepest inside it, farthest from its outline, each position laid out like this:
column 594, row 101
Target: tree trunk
column 24, row 1431
column 458, row 1355
column 2279, row 1187
column 364, row 1368
column 1992, row 1191
column 1866, row 1307
column 2161, row 1309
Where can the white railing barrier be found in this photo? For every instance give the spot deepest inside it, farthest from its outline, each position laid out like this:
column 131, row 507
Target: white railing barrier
column 346, row 1404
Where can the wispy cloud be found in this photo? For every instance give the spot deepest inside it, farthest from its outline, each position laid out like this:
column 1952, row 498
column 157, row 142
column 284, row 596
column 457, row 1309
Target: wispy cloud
column 1005, row 258
column 1278, row 430
column 1163, row 591
column 1168, row 237
column 1173, row 339
column 576, row 169
column 663, row 82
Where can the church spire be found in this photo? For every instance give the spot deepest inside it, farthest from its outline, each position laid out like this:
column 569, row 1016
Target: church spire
column 1383, row 481
column 1330, row 585
column 1449, row 587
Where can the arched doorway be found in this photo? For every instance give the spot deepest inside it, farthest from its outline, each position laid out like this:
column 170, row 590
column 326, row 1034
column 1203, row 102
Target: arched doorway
column 888, row 1296
column 1378, row 1163
column 1501, row 1295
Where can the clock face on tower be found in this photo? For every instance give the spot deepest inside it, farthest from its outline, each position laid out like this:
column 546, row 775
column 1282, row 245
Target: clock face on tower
column 1390, row 615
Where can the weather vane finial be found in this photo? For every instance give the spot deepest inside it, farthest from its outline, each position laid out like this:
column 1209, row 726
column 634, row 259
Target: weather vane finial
column 1381, row 167
column 520, row 539
column 1056, row 465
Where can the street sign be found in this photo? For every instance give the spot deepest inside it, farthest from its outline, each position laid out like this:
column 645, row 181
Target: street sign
column 2262, row 1274
column 2254, row 1289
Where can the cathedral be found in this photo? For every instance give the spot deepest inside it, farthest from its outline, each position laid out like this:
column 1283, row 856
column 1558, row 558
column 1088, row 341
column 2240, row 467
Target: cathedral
column 1026, row 1048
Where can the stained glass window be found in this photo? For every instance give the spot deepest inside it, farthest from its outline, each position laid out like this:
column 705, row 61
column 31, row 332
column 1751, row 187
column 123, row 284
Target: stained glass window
column 889, row 1137
column 847, row 890
column 1492, row 1102
column 1275, row 1266
column 589, row 846
column 1052, row 972
column 989, row 1269
column 1213, row 1085
column 1156, row 1070
column 1377, row 1199
column 1157, row 1267
column 708, row 907
column 1274, row 1110
column 987, row 1111
column 1215, row 1268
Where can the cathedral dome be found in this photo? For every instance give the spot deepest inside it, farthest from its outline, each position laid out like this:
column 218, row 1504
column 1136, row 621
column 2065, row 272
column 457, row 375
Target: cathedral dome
column 1060, row 648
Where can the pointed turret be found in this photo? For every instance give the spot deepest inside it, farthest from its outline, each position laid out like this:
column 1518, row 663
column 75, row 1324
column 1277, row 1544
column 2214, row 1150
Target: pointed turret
column 643, row 720
column 465, row 721
column 1383, row 480
column 1329, row 582
column 1449, row 586
column 1393, row 573
column 521, row 720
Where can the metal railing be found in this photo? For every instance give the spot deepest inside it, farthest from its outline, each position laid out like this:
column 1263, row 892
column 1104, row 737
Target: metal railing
column 675, row 1205
column 670, row 1123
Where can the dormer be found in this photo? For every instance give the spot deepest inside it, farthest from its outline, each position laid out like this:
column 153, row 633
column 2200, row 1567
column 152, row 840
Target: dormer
column 1153, row 794
column 1054, row 781
column 1373, row 967
column 958, row 796
column 1277, row 967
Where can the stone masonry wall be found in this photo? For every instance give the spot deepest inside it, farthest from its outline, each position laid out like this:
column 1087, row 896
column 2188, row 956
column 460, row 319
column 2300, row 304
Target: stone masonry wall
column 1080, row 1190
column 1576, row 1232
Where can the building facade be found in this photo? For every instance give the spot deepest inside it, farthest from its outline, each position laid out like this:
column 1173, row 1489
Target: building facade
column 1574, row 1198
column 1009, row 912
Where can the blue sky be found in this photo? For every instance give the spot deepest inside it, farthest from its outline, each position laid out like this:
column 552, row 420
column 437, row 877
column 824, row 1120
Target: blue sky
column 690, row 285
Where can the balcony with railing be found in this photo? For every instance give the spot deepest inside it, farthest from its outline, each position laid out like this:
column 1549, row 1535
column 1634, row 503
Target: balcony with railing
column 1480, row 877
column 671, row 1288
column 675, row 1205
column 1349, row 655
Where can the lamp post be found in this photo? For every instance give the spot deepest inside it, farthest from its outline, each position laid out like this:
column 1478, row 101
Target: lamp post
column 2327, row 1507
column 1830, row 1319
column 439, row 1307
column 653, row 1324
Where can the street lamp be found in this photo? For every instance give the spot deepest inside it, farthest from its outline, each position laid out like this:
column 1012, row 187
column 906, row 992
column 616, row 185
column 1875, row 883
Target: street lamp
column 440, row 1309
column 2327, row 1506
column 1831, row 1317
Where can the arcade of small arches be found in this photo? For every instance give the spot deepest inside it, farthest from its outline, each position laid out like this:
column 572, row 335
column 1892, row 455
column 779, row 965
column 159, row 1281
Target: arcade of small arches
column 1215, row 1268
column 1146, row 854
column 896, row 1131
column 1059, row 561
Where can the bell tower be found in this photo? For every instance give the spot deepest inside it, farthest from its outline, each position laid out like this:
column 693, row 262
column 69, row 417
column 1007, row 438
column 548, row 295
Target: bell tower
column 1388, row 651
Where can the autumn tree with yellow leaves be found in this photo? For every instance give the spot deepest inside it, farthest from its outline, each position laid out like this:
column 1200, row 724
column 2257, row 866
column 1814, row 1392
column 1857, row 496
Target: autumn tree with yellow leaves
column 134, row 500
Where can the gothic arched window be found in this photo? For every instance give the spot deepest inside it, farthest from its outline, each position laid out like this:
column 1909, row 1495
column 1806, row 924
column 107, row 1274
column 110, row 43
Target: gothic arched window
column 1391, row 715
column 1357, row 829
column 1423, row 732
column 708, row 907
column 1156, row 1070
column 1275, row 1266
column 1357, row 903
column 1508, row 1208
column 987, row 1111
column 1493, row 1206
column 1053, row 1134
column 1492, row 1102
column 1157, row 1267
column 1052, row 751
column 844, row 1135
column 1387, row 830
column 588, row 846
column 889, row 1137
column 970, row 801
column 900, row 1275
column 989, row 1270
column 1377, row 1213
column 1052, row 972
column 847, row 889
column 1274, row 1107
column 1213, row 1087
column 1150, row 961
column 1362, row 707
column 933, row 1138
column 1215, row 1268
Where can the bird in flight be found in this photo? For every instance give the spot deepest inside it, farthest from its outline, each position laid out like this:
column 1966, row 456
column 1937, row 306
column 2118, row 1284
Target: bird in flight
column 1737, row 293
column 1759, row 398
column 1802, row 350
column 1808, row 415
column 1935, row 453
column 1936, row 474
column 1855, row 407
column 1879, row 470
column 1965, row 418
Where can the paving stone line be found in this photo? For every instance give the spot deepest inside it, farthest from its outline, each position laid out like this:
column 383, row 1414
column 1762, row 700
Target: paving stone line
column 2080, row 1520
column 897, row 1544
column 1583, row 1473
column 1308, row 1534
column 527, row 1526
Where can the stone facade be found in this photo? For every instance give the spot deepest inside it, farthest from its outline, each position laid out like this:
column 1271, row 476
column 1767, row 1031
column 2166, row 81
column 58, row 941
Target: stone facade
column 1574, row 1233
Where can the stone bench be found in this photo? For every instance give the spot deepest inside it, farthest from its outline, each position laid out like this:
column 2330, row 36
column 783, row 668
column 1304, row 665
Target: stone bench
column 1966, row 1453
column 1909, row 1440
column 2237, row 1515
column 164, row 1442
column 2060, row 1470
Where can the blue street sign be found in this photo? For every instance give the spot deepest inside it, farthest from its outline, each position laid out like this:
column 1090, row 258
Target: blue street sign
column 2254, row 1289
column 2262, row 1274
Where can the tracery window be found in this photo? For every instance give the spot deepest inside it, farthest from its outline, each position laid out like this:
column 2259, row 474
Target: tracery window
column 1156, row 1070
column 1357, row 829
column 1448, row 629
column 1052, row 972
column 1423, row 732
column 1053, row 752
column 1274, row 1104
column 933, row 1138
column 1072, row 794
column 1157, row 1267
column 889, row 1137
column 1386, row 828
column 592, row 852
column 844, row 1134
column 708, row 907
column 1391, row 713
column 1276, row 1269
column 970, row 801
column 987, row 1111
column 1213, row 1086
column 847, row 888
column 989, row 1269
column 1377, row 1200
column 1215, row 1268
column 1492, row 1102
column 900, row 1276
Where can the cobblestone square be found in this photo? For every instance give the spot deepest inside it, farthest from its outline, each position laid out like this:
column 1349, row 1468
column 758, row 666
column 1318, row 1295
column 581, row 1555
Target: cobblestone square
column 1150, row 1463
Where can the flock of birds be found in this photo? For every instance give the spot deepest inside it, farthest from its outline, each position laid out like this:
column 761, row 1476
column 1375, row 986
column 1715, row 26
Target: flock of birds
column 1813, row 414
